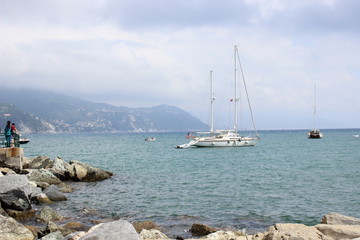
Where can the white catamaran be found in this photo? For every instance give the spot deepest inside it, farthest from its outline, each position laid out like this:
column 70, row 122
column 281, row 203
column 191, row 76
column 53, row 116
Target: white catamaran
column 224, row 138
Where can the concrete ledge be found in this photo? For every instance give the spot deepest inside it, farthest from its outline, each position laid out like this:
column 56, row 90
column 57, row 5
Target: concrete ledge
column 12, row 157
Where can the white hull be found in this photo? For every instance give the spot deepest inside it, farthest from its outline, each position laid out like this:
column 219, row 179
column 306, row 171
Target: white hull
column 234, row 142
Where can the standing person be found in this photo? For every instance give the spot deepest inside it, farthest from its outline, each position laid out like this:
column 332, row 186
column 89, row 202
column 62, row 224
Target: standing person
column 8, row 134
column 13, row 130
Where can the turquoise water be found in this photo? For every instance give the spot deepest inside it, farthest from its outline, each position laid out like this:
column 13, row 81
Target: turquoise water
column 285, row 178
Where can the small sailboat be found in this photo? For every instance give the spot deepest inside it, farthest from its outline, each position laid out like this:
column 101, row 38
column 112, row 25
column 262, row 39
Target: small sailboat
column 224, row 138
column 315, row 133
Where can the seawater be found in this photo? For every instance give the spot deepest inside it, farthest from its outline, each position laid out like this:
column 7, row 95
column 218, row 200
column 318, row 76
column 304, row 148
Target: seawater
column 286, row 178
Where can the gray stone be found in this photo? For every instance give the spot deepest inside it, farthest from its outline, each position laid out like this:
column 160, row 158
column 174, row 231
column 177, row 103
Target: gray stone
column 39, row 162
column 15, row 199
column 60, row 168
column 53, row 236
column 47, row 214
column 117, row 230
column 54, row 194
column 43, row 175
column 12, row 230
column 10, row 182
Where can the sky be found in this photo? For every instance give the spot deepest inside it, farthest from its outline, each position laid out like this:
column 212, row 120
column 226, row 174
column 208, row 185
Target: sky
column 144, row 53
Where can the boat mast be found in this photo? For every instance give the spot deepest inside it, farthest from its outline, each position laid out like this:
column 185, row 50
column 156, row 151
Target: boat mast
column 212, row 99
column 235, row 93
column 315, row 109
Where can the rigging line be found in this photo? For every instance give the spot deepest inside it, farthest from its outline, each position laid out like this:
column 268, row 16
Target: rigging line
column 247, row 95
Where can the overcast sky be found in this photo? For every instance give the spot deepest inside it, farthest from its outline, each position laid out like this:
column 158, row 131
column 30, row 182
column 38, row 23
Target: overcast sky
column 143, row 53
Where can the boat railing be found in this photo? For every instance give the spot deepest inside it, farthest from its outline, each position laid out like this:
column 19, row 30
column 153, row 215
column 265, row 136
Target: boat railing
column 15, row 140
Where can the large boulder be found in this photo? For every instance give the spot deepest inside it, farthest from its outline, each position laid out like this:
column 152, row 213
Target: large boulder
column 15, row 199
column 338, row 219
column 15, row 191
column 10, row 229
column 88, row 173
column 43, row 175
column 339, row 231
column 39, row 162
column 116, row 230
column 14, row 181
column 60, row 168
column 292, row 231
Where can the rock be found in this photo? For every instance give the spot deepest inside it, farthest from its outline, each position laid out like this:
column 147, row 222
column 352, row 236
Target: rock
column 21, row 215
column 79, row 172
column 14, row 181
column 339, row 231
column 6, row 171
column 43, row 185
column 292, row 231
column 10, row 229
column 338, row 219
column 54, row 194
column 74, row 236
column 51, row 227
column 41, row 198
column 116, row 230
column 227, row 235
column 34, row 230
column 47, row 214
column 152, row 234
column 88, row 173
column 198, row 229
column 15, row 199
column 39, row 162
column 3, row 212
column 53, row 236
column 26, row 161
column 65, row 188
column 43, row 175
column 148, row 225
column 60, row 168
column 75, row 226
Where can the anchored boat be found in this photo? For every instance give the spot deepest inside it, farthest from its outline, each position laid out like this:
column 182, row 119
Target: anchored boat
column 224, row 138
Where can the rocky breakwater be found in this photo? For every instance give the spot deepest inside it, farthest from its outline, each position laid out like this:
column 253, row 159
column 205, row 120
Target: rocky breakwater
column 41, row 181
column 27, row 195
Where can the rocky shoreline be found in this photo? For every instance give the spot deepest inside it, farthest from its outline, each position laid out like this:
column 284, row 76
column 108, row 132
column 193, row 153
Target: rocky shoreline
column 26, row 197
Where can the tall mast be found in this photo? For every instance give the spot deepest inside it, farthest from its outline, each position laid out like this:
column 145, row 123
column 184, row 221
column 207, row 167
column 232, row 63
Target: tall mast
column 212, row 98
column 315, row 109
column 235, row 93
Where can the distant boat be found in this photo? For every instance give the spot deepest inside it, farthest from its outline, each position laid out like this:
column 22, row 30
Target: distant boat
column 24, row 140
column 355, row 136
column 151, row 139
column 315, row 133
column 224, row 138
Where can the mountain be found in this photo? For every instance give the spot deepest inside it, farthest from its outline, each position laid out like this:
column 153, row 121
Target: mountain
column 37, row 111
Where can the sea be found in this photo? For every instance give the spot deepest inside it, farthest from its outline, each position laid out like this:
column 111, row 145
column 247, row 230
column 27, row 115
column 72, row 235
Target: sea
column 285, row 178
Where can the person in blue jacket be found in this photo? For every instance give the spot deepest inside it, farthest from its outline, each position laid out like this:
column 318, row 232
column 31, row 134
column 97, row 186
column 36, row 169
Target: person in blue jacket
column 8, row 133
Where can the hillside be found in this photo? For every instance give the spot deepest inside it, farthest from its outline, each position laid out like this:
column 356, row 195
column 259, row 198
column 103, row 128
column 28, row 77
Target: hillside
column 37, row 111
